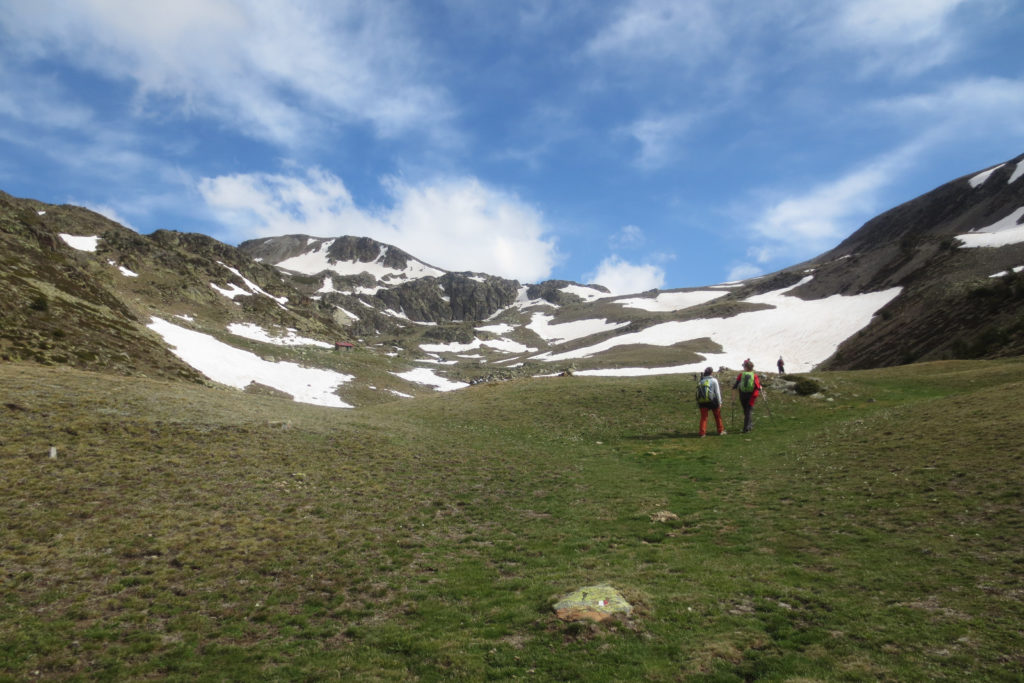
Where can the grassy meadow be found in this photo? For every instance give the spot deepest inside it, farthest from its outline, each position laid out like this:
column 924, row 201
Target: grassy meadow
column 185, row 532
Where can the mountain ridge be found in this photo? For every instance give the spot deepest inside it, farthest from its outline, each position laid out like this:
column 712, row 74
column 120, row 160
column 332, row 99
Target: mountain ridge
column 939, row 276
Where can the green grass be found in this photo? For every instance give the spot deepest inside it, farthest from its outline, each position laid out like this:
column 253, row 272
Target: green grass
column 187, row 532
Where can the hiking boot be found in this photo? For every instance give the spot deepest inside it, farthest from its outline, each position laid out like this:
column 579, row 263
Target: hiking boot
column 722, row 433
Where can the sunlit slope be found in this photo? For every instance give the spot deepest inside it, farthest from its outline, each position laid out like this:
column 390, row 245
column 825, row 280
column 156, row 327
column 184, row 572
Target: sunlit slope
column 184, row 531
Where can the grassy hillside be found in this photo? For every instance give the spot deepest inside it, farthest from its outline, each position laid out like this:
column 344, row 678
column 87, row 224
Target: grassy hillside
column 190, row 532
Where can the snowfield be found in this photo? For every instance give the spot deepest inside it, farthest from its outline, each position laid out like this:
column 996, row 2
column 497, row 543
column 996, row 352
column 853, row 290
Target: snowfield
column 805, row 333
column 506, row 345
column 257, row 333
column 671, row 301
column 428, row 377
column 316, row 261
column 559, row 333
column 237, row 368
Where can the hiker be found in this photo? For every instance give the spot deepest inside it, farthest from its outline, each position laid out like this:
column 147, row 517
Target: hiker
column 749, row 386
column 709, row 397
column 782, row 366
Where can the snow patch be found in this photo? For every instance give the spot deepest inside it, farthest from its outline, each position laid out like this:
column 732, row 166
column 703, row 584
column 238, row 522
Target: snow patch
column 671, row 301
column 1000, row 234
column 979, row 180
column 558, row 333
column 257, row 333
column 502, row 344
column 1007, row 272
column 428, row 377
column 807, row 332
column 501, row 328
column 1017, row 173
column 317, row 261
column 237, row 368
column 81, row 242
column 124, row 271
column 585, row 293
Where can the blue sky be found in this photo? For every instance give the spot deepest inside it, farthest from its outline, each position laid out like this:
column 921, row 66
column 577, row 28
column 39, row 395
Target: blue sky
column 637, row 144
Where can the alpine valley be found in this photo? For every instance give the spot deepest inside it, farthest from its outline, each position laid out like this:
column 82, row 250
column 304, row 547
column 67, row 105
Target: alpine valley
column 349, row 322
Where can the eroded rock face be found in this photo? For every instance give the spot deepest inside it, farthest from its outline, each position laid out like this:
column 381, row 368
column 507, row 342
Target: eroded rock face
column 453, row 296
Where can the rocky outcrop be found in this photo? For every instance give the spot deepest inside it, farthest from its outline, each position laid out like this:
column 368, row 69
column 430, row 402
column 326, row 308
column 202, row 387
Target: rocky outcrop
column 453, row 296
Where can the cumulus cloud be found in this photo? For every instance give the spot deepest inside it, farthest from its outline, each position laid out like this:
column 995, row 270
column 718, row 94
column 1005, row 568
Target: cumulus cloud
column 452, row 223
column 623, row 277
column 274, row 69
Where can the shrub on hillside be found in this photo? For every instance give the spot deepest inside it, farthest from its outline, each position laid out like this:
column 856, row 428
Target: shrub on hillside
column 805, row 386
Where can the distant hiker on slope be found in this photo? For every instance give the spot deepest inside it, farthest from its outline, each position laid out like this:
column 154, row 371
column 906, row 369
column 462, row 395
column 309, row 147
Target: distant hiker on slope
column 782, row 366
column 709, row 397
column 749, row 386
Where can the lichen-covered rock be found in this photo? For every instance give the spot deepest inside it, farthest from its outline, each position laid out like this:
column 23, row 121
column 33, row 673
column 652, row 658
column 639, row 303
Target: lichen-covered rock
column 592, row 603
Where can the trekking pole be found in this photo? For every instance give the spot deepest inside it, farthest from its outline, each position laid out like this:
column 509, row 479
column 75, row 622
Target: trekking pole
column 767, row 407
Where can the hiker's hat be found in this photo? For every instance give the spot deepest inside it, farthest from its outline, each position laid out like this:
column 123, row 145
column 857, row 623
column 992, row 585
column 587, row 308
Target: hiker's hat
column 748, row 364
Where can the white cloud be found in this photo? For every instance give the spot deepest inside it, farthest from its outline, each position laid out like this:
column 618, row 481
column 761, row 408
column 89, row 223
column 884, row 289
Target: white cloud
column 961, row 108
column 630, row 236
column 623, row 277
column 453, row 223
column 659, row 138
column 805, row 224
column 660, row 29
column 905, row 36
column 274, row 69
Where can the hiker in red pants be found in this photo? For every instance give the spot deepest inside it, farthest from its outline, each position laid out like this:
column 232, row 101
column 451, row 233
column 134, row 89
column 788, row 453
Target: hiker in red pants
column 749, row 385
column 709, row 398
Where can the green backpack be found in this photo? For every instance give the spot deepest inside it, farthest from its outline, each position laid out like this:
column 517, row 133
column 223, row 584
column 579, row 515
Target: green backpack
column 747, row 383
column 705, row 396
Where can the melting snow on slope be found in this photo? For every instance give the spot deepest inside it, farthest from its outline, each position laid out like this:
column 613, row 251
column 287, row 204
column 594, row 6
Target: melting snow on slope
column 257, row 333
column 585, row 293
column 1017, row 172
column 999, row 234
column 671, row 301
column 500, row 328
column 502, row 344
column 124, row 271
column 427, row 376
column 1003, row 273
column 558, row 333
column 804, row 332
column 317, row 261
column 81, row 242
column 979, row 180
column 236, row 368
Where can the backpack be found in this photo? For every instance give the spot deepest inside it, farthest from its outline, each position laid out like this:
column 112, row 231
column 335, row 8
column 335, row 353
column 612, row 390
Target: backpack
column 705, row 396
column 747, row 385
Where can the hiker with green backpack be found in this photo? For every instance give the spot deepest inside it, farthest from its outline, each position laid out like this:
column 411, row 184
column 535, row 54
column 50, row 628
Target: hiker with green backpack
column 749, row 386
column 709, row 398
